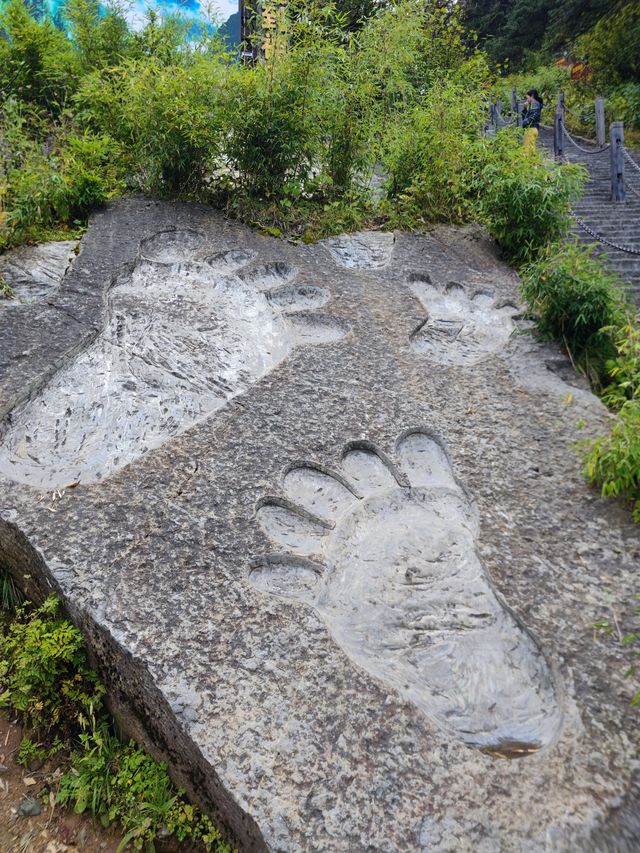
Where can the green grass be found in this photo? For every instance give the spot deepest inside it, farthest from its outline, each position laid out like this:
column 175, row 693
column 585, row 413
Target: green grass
column 46, row 679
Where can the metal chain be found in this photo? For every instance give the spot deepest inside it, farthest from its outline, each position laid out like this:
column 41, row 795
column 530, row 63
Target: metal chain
column 579, row 147
column 628, row 184
column 631, row 160
column 602, row 239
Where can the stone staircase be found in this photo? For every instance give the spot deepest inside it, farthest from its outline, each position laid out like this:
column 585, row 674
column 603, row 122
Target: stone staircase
column 617, row 222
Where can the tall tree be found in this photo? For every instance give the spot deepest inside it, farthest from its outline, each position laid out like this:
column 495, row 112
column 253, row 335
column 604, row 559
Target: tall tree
column 508, row 29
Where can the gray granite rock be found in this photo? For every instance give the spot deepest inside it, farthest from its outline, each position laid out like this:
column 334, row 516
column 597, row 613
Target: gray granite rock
column 351, row 600
column 34, row 272
column 30, row 807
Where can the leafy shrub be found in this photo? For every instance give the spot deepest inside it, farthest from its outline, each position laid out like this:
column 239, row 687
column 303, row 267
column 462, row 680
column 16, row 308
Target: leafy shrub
column 164, row 119
column 30, row 751
column 625, row 369
column 611, row 47
column 44, row 672
column 45, row 677
column 574, row 300
column 612, row 461
column 54, row 173
column 99, row 32
column 443, row 169
column 623, row 104
column 271, row 136
column 523, row 198
column 429, row 155
column 121, row 783
column 37, row 62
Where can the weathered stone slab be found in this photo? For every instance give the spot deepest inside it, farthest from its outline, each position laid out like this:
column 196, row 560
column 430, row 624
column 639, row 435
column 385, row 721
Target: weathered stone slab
column 352, row 568
column 34, row 272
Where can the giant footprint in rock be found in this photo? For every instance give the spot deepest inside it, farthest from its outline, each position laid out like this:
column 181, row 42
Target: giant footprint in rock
column 184, row 334
column 364, row 250
column 462, row 327
column 388, row 558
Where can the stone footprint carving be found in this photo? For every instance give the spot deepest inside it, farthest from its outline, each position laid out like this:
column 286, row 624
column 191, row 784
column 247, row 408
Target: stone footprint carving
column 388, row 558
column 362, row 250
column 462, row 326
column 186, row 331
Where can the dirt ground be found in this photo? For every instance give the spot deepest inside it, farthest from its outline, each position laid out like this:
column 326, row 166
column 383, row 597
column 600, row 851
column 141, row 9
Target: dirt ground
column 54, row 830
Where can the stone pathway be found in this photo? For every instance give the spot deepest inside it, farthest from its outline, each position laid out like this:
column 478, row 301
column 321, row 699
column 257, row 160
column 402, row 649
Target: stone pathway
column 618, row 222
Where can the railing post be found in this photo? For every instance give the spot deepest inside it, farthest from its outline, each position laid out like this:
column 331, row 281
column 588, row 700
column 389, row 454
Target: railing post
column 498, row 113
column 514, row 102
column 558, row 135
column 492, row 117
column 616, row 137
column 601, row 130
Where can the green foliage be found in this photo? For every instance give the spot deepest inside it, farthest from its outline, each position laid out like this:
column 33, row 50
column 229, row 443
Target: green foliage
column 30, row 751
column 612, row 461
column 513, row 31
column 612, row 47
column 522, row 197
column 631, row 641
column 623, row 104
column 575, row 301
column 289, row 143
column 44, row 673
column 6, row 291
column 46, row 679
column 10, row 596
column 272, row 137
column 443, row 169
column 54, row 172
column 100, row 33
column 121, row 783
column 548, row 80
column 429, row 155
column 624, row 370
column 37, row 62
column 165, row 120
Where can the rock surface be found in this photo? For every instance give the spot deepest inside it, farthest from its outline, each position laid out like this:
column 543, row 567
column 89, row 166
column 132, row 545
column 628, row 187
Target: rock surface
column 340, row 595
column 34, row 272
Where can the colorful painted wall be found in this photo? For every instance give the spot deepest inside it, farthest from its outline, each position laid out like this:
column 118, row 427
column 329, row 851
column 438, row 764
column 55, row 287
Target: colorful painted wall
column 226, row 12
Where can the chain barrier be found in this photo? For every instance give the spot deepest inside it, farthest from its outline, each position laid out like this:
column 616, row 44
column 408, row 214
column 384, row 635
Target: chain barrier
column 579, row 147
column 587, row 228
column 602, row 239
column 631, row 160
column 628, row 184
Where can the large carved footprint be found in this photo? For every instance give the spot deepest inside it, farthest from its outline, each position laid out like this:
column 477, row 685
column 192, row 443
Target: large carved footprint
column 461, row 328
column 364, row 250
column 184, row 334
column 388, row 559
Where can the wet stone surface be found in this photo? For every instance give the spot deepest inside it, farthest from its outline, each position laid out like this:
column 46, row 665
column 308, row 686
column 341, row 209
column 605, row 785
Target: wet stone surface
column 318, row 510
